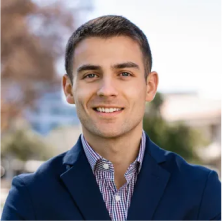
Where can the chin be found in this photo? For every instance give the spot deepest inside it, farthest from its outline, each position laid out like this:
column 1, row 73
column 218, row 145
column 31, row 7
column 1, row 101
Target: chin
column 109, row 132
column 110, row 135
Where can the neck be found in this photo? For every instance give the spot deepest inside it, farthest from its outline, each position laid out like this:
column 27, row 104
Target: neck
column 120, row 151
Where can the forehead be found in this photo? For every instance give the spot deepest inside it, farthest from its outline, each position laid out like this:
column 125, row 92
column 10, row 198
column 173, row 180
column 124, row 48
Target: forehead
column 107, row 51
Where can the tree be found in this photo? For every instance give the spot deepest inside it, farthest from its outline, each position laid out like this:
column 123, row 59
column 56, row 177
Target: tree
column 32, row 42
column 178, row 137
column 24, row 145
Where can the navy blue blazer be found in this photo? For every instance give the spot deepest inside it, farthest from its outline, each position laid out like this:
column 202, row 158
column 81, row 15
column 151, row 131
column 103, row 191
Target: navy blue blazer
column 64, row 188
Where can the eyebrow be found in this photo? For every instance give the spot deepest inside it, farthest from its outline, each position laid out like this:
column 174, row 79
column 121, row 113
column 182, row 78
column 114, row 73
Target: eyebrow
column 87, row 67
column 125, row 65
column 90, row 67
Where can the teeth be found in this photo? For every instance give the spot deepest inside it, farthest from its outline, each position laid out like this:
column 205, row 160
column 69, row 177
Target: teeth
column 107, row 110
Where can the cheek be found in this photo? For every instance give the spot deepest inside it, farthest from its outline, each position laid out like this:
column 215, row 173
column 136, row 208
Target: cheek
column 137, row 93
column 82, row 94
column 137, row 98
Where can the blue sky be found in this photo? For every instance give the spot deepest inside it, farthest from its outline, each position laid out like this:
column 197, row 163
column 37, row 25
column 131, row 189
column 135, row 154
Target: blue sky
column 185, row 39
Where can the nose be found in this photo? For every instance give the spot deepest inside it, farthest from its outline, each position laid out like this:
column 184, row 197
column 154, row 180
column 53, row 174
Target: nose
column 107, row 88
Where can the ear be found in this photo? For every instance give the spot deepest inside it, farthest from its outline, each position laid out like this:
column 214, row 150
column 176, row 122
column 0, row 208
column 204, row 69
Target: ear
column 67, row 88
column 152, row 84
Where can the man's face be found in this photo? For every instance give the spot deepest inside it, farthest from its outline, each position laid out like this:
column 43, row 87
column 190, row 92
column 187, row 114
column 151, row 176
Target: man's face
column 109, row 88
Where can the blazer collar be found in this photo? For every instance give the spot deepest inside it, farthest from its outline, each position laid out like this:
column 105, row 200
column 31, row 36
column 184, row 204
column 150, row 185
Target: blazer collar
column 151, row 183
column 81, row 183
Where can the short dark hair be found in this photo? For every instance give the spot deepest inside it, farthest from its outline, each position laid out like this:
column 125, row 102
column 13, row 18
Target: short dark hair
column 105, row 27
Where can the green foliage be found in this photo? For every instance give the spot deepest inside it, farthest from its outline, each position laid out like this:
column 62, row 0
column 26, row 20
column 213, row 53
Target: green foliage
column 25, row 145
column 176, row 137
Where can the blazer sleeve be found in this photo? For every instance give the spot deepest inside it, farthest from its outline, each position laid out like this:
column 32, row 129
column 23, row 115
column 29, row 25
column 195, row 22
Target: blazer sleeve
column 210, row 207
column 18, row 205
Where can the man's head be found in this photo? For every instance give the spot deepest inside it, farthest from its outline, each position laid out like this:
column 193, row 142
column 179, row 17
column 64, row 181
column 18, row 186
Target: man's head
column 105, row 76
column 106, row 27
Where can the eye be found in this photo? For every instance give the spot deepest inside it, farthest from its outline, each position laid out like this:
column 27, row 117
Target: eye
column 90, row 76
column 125, row 74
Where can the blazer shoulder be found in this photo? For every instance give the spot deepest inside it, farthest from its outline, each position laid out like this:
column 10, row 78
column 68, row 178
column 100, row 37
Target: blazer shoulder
column 198, row 182
column 32, row 189
column 210, row 206
column 174, row 163
column 202, row 184
column 50, row 169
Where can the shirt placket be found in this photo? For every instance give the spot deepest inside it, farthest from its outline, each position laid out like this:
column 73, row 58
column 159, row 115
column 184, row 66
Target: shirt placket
column 122, row 196
column 118, row 200
column 118, row 208
column 117, row 205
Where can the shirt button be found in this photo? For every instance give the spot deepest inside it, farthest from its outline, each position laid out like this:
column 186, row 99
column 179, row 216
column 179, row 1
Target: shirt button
column 117, row 198
column 106, row 166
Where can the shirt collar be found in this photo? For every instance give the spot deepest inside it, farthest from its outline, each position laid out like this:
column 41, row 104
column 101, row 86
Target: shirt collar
column 93, row 156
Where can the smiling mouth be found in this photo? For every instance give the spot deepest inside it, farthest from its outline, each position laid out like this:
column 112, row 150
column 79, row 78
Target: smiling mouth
column 107, row 110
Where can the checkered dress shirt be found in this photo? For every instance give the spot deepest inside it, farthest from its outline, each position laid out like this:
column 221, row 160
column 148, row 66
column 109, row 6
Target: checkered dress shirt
column 117, row 201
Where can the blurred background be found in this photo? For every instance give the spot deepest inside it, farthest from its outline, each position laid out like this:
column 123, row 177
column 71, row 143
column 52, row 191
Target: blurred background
column 36, row 121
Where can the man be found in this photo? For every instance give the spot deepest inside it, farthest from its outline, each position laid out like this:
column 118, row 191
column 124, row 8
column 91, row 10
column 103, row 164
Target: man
column 114, row 171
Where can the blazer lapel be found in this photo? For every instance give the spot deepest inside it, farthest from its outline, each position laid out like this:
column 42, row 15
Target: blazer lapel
column 81, row 183
column 150, row 185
